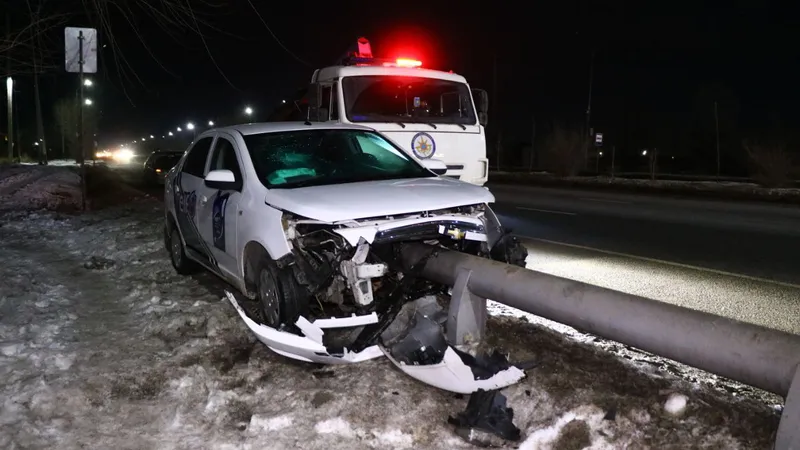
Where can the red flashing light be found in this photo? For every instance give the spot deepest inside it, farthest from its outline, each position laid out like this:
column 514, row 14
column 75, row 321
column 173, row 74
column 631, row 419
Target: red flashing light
column 364, row 49
column 407, row 62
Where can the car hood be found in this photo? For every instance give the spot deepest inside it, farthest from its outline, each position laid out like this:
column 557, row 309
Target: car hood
column 338, row 202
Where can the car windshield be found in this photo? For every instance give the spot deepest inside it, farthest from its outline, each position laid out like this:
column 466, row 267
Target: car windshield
column 381, row 98
column 328, row 156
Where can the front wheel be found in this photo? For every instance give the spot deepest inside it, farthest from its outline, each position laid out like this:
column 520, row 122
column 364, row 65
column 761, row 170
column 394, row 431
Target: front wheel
column 269, row 296
column 282, row 299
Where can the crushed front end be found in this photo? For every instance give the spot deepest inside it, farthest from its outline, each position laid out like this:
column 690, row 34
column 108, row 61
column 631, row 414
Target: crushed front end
column 360, row 303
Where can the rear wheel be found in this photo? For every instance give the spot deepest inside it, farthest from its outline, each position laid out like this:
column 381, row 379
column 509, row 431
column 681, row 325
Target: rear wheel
column 177, row 254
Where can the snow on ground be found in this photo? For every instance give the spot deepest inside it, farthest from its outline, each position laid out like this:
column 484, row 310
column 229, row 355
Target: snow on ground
column 40, row 187
column 56, row 163
column 103, row 345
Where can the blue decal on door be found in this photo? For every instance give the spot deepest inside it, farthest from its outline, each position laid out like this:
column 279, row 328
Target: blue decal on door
column 218, row 223
column 191, row 204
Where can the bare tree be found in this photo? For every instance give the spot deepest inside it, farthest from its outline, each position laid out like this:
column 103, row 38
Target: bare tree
column 772, row 164
column 65, row 113
column 23, row 48
column 565, row 150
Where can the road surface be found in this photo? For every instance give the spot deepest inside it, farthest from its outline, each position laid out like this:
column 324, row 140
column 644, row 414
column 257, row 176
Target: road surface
column 735, row 259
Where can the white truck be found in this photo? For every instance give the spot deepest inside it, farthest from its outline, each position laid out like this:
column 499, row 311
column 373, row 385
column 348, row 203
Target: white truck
column 432, row 114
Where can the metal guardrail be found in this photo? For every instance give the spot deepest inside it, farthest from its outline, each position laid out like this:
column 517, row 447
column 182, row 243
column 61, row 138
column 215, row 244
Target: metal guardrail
column 765, row 358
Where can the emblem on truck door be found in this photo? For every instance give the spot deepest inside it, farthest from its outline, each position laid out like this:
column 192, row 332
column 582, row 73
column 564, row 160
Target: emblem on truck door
column 423, row 145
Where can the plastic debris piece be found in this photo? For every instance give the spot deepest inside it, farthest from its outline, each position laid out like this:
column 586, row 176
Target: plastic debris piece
column 486, row 416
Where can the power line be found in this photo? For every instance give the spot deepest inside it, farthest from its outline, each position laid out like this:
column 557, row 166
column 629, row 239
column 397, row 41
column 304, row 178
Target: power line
column 297, row 58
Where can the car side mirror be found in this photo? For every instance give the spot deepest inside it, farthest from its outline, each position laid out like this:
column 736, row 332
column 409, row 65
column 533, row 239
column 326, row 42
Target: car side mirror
column 223, row 180
column 436, row 166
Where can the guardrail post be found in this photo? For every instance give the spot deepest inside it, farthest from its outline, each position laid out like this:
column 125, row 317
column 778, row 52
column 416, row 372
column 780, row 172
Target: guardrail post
column 762, row 357
column 788, row 437
column 466, row 318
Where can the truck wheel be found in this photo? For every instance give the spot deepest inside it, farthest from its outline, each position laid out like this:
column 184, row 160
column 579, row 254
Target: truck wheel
column 177, row 254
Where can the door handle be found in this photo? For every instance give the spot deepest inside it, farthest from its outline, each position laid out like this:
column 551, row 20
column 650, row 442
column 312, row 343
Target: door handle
column 203, row 199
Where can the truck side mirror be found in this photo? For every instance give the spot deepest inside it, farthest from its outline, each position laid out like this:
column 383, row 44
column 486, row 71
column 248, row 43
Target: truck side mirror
column 482, row 105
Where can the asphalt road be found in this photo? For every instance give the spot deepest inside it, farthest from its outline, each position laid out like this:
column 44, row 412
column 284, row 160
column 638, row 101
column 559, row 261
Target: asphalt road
column 738, row 259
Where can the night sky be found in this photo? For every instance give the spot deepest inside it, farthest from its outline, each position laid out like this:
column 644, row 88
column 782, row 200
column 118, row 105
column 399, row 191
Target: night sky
column 657, row 69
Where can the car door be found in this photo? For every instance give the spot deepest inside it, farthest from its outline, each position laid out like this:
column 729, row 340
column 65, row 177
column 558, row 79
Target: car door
column 219, row 209
column 187, row 183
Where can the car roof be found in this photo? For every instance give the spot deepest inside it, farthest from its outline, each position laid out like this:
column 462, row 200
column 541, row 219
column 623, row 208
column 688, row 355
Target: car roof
column 277, row 127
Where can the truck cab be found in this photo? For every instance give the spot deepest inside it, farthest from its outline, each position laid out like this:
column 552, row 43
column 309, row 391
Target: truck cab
column 431, row 114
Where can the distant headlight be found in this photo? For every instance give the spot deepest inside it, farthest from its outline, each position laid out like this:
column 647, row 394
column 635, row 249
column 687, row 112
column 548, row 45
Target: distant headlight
column 123, row 156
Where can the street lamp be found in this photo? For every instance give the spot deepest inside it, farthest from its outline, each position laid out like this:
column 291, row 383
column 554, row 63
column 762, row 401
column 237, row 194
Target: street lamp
column 283, row 101
column 249, row 111
column 88, row 102
column 10, row 97
column 211, row 123
column 151, row 137
column 190, row 126
column 87, row 82
column 170, row 133
column 179, row 129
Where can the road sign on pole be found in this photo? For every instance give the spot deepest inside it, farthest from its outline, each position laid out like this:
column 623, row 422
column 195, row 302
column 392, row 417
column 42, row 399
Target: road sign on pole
column 598, row 140
column 81, row 50
column 80, row 46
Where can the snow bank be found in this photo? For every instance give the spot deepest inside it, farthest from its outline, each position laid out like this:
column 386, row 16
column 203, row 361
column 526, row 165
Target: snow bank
column 102, row 345
column 731, row 189
column 55, row 163
column 41, row 187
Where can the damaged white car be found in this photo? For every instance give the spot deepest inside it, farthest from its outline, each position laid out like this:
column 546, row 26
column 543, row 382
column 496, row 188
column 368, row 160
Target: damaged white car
column 306, row 221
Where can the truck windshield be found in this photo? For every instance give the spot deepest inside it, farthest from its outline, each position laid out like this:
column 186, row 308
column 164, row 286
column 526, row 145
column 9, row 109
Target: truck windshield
column 382, row 98
column 317, row 157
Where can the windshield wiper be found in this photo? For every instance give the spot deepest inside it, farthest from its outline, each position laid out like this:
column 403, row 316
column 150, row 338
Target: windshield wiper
column 401, row 124
column 432, row 124
column 463, row 127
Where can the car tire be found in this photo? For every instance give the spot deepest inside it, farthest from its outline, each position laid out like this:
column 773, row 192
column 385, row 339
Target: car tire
column 177, row 254
column 281, row 298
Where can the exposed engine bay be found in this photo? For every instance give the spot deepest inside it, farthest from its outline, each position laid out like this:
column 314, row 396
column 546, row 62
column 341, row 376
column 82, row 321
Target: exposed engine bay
column 356, row 301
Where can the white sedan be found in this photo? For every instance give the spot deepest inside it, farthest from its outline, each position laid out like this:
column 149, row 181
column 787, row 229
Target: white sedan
column 305, row 219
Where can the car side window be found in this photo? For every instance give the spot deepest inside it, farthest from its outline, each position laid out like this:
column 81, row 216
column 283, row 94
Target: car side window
column 381, row 151
column 224, row 158
column 196, row 160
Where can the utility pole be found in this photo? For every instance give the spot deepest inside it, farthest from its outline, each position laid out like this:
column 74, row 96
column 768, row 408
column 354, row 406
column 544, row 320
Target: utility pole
column 36, row 47
column 10, row 133
column 613, row 157
column 39, row 122
column 589, row 106
column 498, row 145
column 533, row 145
column 716, row 121
column 9, row 92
